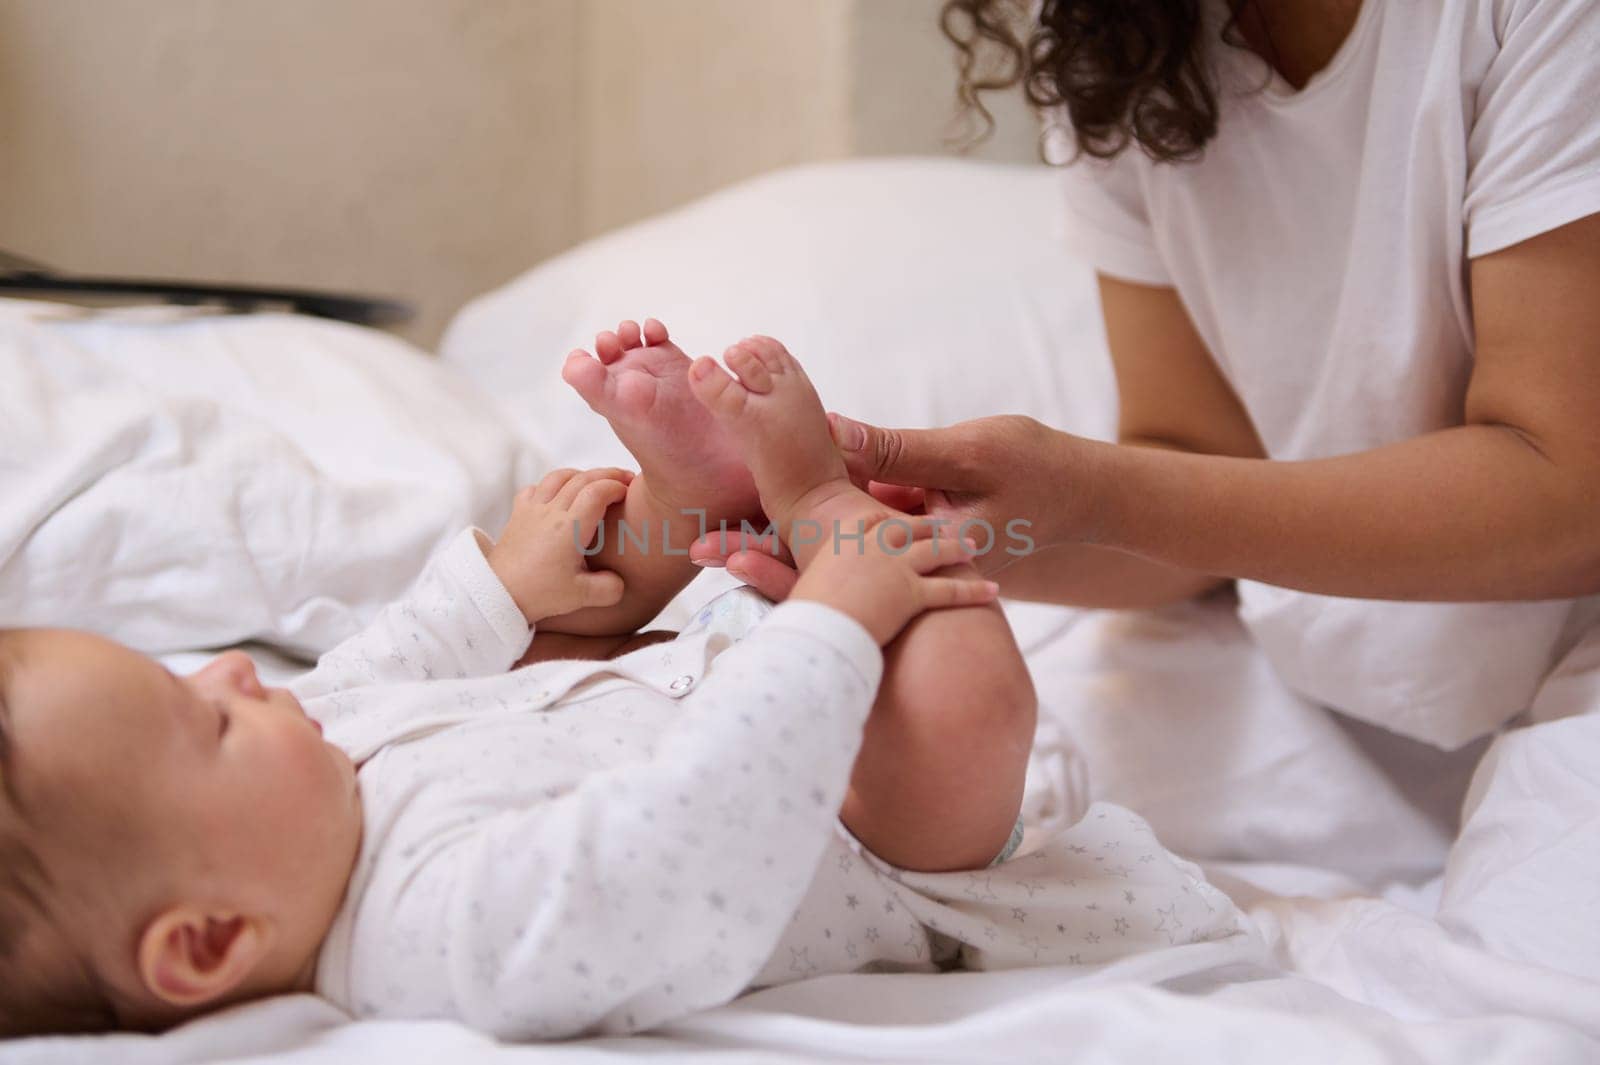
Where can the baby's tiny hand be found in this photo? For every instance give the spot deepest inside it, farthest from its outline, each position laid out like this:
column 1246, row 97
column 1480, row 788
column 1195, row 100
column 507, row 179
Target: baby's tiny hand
column 539, row 557
column 892, row 575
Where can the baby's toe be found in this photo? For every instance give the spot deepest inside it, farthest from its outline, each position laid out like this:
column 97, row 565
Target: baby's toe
column 586, row 376
column 628, row 334
column 773, row 355
column 608, row 347
column 742, row 360
column 715, row 389
column 654, row 332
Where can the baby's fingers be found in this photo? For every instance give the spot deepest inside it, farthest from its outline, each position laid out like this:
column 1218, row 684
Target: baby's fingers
column 925, row 556
column 601, row 588
column 546, row 489
column 568, row 494
column 590, row 507
column 940, row 592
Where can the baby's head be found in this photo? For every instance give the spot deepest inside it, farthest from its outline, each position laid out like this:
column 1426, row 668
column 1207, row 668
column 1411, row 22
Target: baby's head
column 167, row 844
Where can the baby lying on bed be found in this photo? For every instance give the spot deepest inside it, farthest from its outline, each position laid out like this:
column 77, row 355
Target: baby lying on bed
column 612, row 836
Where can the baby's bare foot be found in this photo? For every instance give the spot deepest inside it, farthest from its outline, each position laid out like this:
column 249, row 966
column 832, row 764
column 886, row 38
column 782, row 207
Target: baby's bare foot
column 773, row 414
column 639, row 383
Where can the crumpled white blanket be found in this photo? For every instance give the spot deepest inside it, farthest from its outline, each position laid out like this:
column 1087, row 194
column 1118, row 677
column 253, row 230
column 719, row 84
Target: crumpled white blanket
column 178, row 481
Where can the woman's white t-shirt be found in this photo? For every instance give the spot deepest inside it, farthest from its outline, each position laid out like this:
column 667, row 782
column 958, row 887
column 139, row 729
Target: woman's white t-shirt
column 1320, row 246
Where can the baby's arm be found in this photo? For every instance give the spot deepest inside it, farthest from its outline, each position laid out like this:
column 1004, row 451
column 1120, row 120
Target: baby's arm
column 455, row 621
column 471, row 611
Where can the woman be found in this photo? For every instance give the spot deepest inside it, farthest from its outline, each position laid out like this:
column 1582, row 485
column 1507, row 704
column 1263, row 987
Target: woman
column 1348, row 255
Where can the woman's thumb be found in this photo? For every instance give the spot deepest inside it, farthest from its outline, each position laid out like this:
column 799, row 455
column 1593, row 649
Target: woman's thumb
column 917, row 457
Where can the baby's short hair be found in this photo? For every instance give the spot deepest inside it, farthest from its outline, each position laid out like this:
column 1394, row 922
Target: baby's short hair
column 44, row 986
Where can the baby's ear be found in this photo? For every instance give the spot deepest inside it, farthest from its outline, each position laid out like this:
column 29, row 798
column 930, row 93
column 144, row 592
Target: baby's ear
column 188, row 957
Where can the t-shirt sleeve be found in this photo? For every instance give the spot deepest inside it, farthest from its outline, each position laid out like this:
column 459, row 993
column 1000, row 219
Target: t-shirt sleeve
column 1107, row 223
column 1533, row 152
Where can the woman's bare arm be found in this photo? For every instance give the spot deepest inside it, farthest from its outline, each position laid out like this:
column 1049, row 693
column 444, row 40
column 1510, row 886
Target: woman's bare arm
column 1506, row 506
column 1171, row 397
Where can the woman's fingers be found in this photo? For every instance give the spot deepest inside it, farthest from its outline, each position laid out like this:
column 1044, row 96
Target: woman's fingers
column 761, row 561
column 898, row 496
column 926, row 457
column 715, row 548
column 765, row 574
column 940, row 592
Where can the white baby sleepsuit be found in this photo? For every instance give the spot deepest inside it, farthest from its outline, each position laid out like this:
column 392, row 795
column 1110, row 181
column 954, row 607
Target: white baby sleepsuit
column 582, row 846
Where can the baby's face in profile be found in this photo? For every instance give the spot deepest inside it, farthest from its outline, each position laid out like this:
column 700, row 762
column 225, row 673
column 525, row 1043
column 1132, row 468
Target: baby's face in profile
column 207, row 799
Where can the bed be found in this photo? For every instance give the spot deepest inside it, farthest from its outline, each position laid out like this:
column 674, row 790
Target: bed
column 186, row 482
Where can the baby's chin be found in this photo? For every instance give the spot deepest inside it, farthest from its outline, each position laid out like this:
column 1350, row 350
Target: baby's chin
column 343, row 766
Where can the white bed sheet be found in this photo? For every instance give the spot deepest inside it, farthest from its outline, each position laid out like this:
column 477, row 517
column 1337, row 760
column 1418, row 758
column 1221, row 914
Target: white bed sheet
column 1206, row 1010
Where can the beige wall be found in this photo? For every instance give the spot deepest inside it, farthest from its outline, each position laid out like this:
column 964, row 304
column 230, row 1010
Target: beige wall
column 903, row 88
column 429, row 148
column 674, row 105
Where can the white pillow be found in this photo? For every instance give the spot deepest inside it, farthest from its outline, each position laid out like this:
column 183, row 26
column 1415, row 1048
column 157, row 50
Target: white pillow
column 917, row 292
column 180, row 482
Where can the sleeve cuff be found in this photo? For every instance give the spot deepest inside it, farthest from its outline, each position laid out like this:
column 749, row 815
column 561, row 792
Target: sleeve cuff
column 466, row 561
column 836, row 629
column 1499, row 226
column 1112, row 254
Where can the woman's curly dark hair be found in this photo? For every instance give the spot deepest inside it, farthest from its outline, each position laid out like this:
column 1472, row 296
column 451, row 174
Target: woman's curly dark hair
column 1125, row 71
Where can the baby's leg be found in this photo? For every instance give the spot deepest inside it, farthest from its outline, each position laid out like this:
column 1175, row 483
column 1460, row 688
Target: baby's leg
column 938, row 782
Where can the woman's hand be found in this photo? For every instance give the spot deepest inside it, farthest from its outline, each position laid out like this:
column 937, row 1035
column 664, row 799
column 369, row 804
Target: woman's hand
column 761, row 561
column 1009, row 482
column 539, row 556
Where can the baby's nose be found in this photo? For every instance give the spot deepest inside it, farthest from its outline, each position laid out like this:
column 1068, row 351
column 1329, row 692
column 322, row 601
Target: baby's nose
column 240, row 671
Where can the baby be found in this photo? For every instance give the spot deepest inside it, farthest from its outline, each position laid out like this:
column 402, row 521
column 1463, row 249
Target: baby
column 619, row 832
